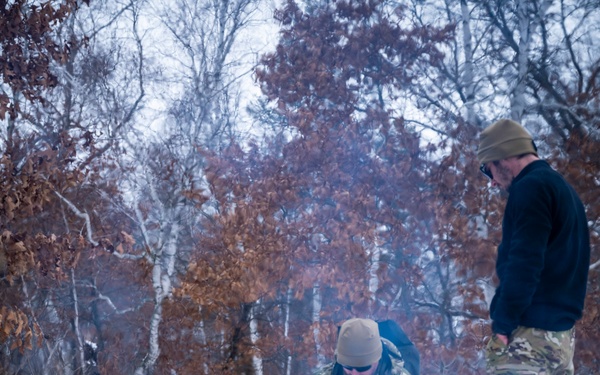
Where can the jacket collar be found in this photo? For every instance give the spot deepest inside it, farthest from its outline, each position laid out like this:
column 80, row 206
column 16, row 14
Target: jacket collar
column 534, row 165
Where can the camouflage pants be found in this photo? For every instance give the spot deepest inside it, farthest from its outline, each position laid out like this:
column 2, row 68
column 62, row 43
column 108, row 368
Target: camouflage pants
column 532, row 351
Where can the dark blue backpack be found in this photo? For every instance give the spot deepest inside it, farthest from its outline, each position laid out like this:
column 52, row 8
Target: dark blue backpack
column 390, row 330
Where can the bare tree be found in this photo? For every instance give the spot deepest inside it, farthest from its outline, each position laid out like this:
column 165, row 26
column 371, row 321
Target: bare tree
column 168, row 188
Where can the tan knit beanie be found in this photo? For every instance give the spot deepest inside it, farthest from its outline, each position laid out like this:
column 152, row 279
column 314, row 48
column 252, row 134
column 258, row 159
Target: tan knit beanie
column 359, row 343
column 503, row 139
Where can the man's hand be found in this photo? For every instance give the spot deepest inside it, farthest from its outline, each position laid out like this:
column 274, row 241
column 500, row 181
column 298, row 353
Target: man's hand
column 502, row 338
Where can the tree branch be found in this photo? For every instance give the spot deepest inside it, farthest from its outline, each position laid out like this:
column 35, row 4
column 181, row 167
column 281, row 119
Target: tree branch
column 83, row 215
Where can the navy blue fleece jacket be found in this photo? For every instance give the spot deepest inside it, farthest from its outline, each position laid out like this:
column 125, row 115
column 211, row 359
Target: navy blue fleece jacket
column 544, row 256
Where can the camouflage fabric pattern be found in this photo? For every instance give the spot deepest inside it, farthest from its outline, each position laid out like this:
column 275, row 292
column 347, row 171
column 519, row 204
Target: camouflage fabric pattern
column 397, row 364
column 532, row 351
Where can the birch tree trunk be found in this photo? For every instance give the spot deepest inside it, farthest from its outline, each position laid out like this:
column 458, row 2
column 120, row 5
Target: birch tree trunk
column 81, row 356
column 162, row 285
column 518, row 101
column 254, row 337
column 202, row 337
column 316, row 318
column 286, row 328
column 468, row 70
column 373, row 277
column 163, row 259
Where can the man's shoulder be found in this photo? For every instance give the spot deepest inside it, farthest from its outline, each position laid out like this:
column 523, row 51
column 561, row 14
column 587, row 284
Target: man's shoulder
column 398, row 367
column 540, row 172
column 391, row 347
column 538, row 183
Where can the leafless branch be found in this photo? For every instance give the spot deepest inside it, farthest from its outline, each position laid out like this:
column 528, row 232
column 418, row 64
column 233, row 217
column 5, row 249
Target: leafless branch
column 83, row 215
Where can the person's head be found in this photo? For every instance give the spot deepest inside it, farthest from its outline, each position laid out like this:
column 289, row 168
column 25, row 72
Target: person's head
column 505, row 148
column 359, row 347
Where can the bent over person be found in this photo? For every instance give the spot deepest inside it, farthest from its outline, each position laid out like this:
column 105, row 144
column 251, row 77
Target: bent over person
column 543, row 259
column 361, row 350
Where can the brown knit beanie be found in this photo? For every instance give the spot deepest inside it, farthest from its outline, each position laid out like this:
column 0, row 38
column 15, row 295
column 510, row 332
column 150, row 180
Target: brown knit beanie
column 503, row 139
column 359, row 343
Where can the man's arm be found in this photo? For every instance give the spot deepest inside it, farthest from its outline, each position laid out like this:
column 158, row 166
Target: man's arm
column 528, row 214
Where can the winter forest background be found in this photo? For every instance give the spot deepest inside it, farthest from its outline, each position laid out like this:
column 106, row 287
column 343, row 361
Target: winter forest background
column 212, row 186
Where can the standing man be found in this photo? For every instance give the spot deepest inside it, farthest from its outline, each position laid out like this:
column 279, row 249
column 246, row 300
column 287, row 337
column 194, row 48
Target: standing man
column 542, row 261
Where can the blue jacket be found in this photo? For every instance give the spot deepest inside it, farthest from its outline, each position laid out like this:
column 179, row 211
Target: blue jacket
column 544, row 256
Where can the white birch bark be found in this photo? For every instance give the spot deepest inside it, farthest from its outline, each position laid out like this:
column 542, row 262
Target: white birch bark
column 82, row 364
column 254, row 337
column 316, row 318
column 80, row 352
column 161, row 276
column 202, row 336
column 518, row 97
column 373, row 278
column 286, row 327
column 468, row 70
column 162, row 285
